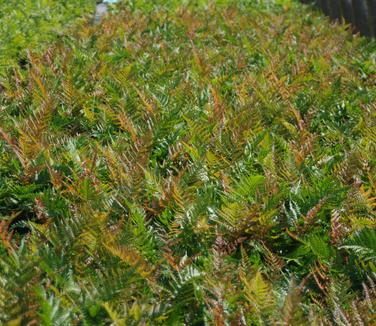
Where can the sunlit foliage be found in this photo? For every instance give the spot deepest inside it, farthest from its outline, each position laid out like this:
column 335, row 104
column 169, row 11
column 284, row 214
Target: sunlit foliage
column 198, row 163
column 30, row 24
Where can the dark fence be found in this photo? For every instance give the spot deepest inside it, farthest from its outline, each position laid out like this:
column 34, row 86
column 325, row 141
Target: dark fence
column 360, row 13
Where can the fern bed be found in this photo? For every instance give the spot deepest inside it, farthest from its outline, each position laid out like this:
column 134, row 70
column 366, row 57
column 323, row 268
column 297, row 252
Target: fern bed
column 189, row 163
column 30, row 24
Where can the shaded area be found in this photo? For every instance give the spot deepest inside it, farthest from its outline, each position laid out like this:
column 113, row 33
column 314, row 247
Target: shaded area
column 360, row 13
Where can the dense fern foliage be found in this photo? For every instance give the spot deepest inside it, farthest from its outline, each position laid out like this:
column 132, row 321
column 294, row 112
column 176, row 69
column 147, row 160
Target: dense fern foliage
column 201, row 163
column 29, row 24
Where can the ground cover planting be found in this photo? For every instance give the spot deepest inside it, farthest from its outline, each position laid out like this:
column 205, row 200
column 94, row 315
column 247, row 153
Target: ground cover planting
column 31, row 24
column 191, row 163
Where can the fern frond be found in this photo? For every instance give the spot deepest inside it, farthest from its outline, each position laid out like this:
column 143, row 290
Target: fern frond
column 257, row 291
column 33, row 130
column 113, row 315
column 132, row 258
column 363, row 244
column 292, row 308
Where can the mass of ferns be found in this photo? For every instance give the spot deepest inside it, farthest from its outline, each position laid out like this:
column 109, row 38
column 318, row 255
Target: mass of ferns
column 190, row 163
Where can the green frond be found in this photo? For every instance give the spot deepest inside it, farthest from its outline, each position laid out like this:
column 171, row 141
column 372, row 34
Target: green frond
column 258, row 294
column 363, row 245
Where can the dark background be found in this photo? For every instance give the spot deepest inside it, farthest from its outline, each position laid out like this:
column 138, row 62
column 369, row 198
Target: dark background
column 360, row 13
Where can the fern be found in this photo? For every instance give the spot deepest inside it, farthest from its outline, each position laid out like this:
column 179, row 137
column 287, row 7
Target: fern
column 205, row 162
column 292, row 311
column 362, row 244
column 257, row 292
